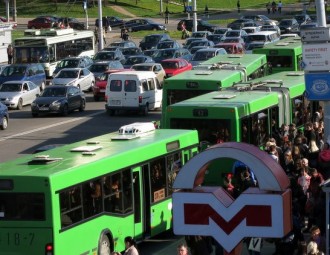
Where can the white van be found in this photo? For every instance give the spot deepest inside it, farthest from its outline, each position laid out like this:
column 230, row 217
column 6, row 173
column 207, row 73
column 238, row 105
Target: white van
column 260, row 39
column 133, row 90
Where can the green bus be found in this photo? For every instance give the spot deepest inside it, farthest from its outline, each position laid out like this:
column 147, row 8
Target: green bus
column 245, row 112
column 212, row 75
column 283, row 55
column 86, row 197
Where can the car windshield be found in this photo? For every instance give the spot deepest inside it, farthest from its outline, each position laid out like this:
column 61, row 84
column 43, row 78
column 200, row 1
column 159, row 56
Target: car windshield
column 131, row 51
column 54, row 92
column 13, row 71
column 165, row 53
column 10, row 87
column 68, row 63
column 170, row 65
column 165, row 45
column 203, row 55
column 199, row 43
column 134, row 60
column 300, row 18
column 142, row 68
column 68, row 74
column 99, row 68
column 231, row 40
column 198, row 35
column 152, row 39
column 103, row 77
column 105, row 56
column 285, row 22
column 220, row 31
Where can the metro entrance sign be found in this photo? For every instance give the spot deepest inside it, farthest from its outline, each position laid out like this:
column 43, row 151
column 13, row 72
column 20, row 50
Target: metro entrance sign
column 316, row 56
column 316, row 62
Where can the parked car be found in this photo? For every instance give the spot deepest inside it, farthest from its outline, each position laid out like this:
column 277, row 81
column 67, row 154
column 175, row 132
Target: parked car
column 123, row 44
column 132, row 60
column 151, row 41
column 270, row 28
column 200, row 34
column 71, row 62
column 215, row 38
column 302, row 18
column 135, row 25
column 131, row 51
column 150, row 52
column 261, row 19
column 202, row 25
column 175, row 66
column 2, row 67
column 168, row 44
column 73, row 23
column 154, row 67
column 206, row 54
column 4, row 116
column 221, row 30
column 238, row 23
column 196, row 48
column 101, row 83
column 24, row 72
column 251, row 30
column 100, row 67
column 79, row 77
column 203, row 42
column 109, row 56
column 190, row 40
column 234, row 34
column 288, row 26
column 42, row 22
column 112, row 21
column 231, row 48
column 172, row 53
column 59, row 99
column 16, row 94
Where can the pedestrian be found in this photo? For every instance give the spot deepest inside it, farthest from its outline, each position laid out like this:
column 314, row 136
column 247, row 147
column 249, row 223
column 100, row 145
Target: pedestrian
column 238, row 6
column 279, row 7
column 166, row 15
column 268, row 6
column 317, row 238
column 273, row 6
column 182, row 249
column 184, row 31
column 130, row 246
column 10, row 53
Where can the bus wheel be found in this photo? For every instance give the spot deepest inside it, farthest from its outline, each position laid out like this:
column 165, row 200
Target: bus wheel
column 104, row 246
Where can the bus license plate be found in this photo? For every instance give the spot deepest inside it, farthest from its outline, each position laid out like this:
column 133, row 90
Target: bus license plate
column 115, row 102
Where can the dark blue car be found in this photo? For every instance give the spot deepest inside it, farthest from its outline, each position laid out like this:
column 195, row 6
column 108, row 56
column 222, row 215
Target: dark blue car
column 142, row 24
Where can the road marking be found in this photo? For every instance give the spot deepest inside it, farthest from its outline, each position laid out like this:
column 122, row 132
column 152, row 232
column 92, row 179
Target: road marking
column 49, row 126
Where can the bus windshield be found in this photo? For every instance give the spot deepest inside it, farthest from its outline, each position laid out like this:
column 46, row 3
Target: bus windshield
column 32, row 55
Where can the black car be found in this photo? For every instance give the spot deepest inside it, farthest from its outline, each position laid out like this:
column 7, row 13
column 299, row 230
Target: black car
column 135, row 25
column 110, row 20
column 302, row 18
column 131, row 51
column 150, row 41
column 59, row 99
column 201, row 25
column 73, row 23
column 238, row 24
column 123, row 44
column 288, row 26
column 109, row 55
column 4, row 116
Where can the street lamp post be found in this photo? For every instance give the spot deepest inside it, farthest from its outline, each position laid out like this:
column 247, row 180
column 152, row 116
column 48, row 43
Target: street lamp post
column 194, row 16
column 100, row 25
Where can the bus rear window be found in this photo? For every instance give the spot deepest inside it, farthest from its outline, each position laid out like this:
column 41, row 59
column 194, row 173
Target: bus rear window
column 22, row 206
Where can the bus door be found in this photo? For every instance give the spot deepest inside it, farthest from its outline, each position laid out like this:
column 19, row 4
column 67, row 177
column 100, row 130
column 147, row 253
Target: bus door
column 141, row 201
column 284, row 106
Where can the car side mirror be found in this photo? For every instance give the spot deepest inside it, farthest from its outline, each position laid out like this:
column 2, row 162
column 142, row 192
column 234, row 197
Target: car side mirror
column 70, row 94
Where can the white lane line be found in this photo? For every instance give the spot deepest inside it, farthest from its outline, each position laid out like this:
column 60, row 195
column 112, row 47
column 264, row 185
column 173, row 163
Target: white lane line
column 49, row 126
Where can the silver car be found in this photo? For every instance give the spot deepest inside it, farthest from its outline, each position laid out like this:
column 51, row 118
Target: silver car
column 79, row 77
column 16, row 94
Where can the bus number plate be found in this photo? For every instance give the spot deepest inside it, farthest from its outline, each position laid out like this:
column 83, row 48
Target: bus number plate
column 200, row 112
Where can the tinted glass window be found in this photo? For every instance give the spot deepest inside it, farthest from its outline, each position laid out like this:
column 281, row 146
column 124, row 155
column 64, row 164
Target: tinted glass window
column 115, row 85
column 130, row 86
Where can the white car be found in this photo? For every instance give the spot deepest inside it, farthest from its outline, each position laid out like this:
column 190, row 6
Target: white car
column 79, row 77
column 16, row 94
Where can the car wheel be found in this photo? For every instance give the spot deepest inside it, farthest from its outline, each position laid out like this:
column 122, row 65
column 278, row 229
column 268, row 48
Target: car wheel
column 43, row 85
column 65, row 110
column 82, row 105
column 145, row 110
column 4, row 123
column 20, row 104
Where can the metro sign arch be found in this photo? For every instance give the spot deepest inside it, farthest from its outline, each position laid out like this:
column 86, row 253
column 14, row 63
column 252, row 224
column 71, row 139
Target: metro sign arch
column 258, row 212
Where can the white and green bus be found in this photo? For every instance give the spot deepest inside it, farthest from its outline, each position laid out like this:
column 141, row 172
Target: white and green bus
column 49, row 46
column 86, row 197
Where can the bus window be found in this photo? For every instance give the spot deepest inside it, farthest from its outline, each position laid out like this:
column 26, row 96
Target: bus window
column 173, row 163
column 281, row 61
column 127, row 191
column 71, row 207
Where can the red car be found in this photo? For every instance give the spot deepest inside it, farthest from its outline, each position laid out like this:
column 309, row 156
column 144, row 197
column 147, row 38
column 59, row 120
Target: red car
column 101, row 83
column 42, row 22
column 174, row 66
